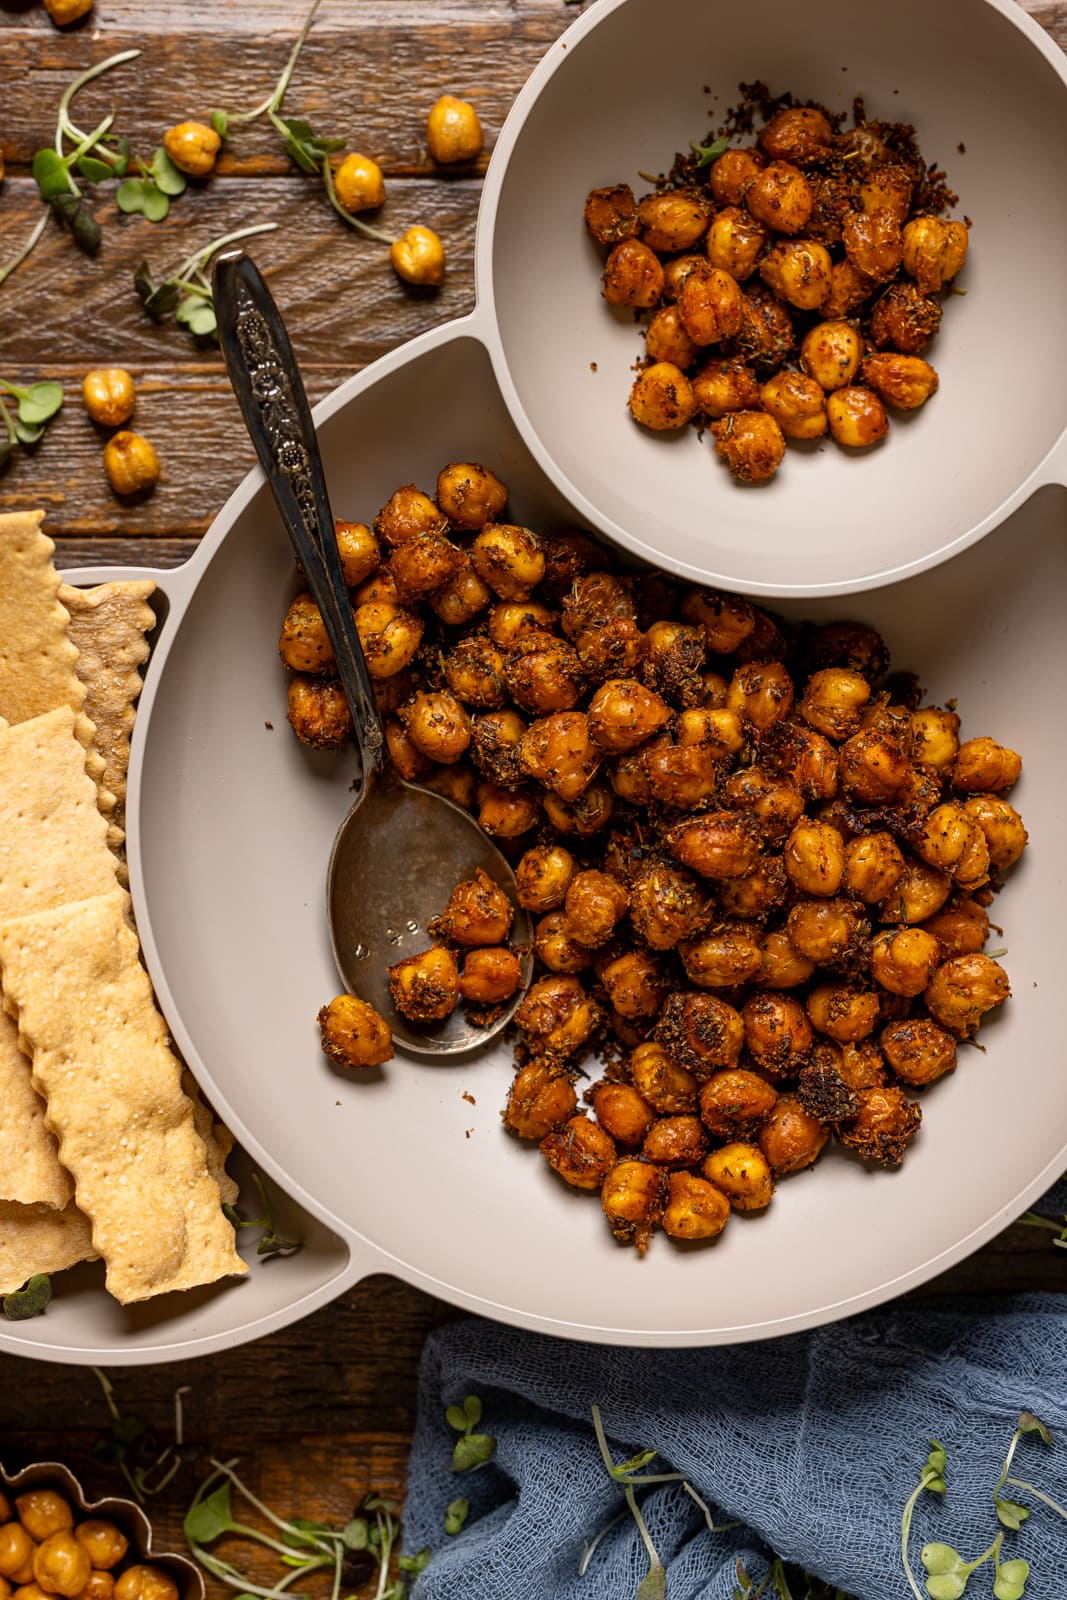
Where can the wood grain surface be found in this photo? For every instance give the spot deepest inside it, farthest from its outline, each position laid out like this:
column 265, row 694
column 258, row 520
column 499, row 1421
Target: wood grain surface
column 321, row 1411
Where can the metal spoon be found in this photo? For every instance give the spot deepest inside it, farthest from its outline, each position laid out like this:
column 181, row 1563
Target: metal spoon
column 401, row 849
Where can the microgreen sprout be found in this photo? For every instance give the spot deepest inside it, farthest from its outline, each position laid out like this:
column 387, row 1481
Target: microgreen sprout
column 305, row 1545
column 271, row 1242
column 37, row 405
column 471, row 1449
column 32, row 1299
column 152, row 192
column 186, row 294
column 932, row 1478
column 130, row 1445
column 628, row 1473
column 707, row 153
column 456, row 1513
column 1032, row 1219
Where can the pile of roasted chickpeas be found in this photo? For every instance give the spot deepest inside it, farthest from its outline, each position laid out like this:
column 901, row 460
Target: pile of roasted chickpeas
column 45, row 1552
column 759, row 865
column 793, row 286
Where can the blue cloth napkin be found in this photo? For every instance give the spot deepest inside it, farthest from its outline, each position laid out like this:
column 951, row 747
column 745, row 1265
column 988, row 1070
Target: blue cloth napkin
column 812, row 1443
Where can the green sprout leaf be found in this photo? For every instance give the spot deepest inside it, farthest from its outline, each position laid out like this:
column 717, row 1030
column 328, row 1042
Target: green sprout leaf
column 40, row 402
column 221, row 123
column 50, row 174
column 707, row 153
column 472, row 1410
column 1010, row 1514
column 27, row 435
column 94, row 170
column 29, row 1301
column 456, row 1418
column 168, row 177
column 1028, row 1423
column 416, row 1563
column 210, row 1517
column 1010, row 1580
column 121, row 161
column 197, row 313
column 456, row 1514
column 84, row 228
column 473, row 1450
column 305, row 146
column 158, row 299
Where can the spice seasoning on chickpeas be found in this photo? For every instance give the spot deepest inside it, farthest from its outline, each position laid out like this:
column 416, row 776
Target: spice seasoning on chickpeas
column 759, row 869
column 818, row 247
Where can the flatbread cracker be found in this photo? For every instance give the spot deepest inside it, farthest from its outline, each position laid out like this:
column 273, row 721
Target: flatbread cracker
column 108, row 625
column 39, row 1239
column 37, row 659
column 126, row 1131
column 30, row 1169
column 218, row 1140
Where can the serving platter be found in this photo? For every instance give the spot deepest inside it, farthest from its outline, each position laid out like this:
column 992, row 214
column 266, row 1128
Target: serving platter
column 408, row 1171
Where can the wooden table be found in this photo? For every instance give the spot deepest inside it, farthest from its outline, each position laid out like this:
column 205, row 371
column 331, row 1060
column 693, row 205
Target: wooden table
column 324, row 1410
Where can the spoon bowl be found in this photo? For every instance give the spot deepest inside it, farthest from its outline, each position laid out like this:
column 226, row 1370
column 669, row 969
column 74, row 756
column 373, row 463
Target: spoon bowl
column 401, row 849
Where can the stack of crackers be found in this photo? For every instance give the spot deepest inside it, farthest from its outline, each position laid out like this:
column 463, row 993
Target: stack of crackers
column 106, row 1149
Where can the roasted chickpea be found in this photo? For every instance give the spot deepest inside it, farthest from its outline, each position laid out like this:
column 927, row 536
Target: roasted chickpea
column 757, row 894
column 675, row 1142
column 621, row 1110
column 359, row 184
column 1002, row 826
column 960, row 929
column 589, row 814
column 543, row 876
column 887, row 187
column 791, row 1138
column 193, row 147
column 873, row 243
column 418, row 257
column 43, row 1512
column 478, row 913
column 843, row 1012
column 633, row 275
column 623, row 713
column 666, row 906
column 406, row 757
column 453, row 131
column 541, row 1098
column 437, row 725
column 675, row 272
column 490, row 977
column 933, row 737
column 131, row 463
column 799, row 271
column 857, row 418
column 515, row 620
column 761, row 693
column 556, row 1017
column 462, row 597
column 726, row 619
column 667, row 341
column 594, row 904
column 777, row 1032
column 742, row 1173
column 847, row 644
column 581, row 1152
column 303, row 644
column 717, row 844
column 874, row 866
column 64, row 11
column 963, row 989
column 60, row 1564
column 934, row 251
column 874, row 768
column 16, row 1551
column 634, row 983
column 544, row 675
column 669, row 1088
column 673, row 220
column 353, row 1035
column 883, row 1127
column 782, row 967
column 408, row 512
column 425, row 987
column 470, row 495
column 723, row 958
column 422, row 564
column 633, row 1196
column 700, row 1032
column 751, row 443
column 918, row 1050
column 108, row 396
column 918, row 893
column 662, row 397
column 732, row 173
column 474, row 671
column 101, row 1586
column 848, row 290
column 904, row 320
column 509, row 559
column 906, row 382
column 390, row 636
column 984, row 765
column 145, row 1583
column 710, row 306
column 825, row 931
column 714, row 726
column 734, row 242
column 318, row 712
column 734, row 1103
column 559, row 753
column 379, row 587
column 780, row 197
column 796, row 403
column 767, row 336
column 831, row 352
column 775, row 803
column 800, row 134
column 725, row 385
column 815, row 857
column 807, row 759
column 833, row 702
column 696, row 1209
column 953, row 841
column 611, row 213
column 495, row 737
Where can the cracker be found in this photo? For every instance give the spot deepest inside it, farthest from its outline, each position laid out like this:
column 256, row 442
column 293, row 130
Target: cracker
column 108, row 625
column 218, row 1140
column 126, row 1131
column 39, row 1239
column 30, row 1170
column 37, row 659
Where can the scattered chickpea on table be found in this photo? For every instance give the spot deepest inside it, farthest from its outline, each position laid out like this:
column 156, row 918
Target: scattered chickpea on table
column 841, row 228
column 759, row 867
